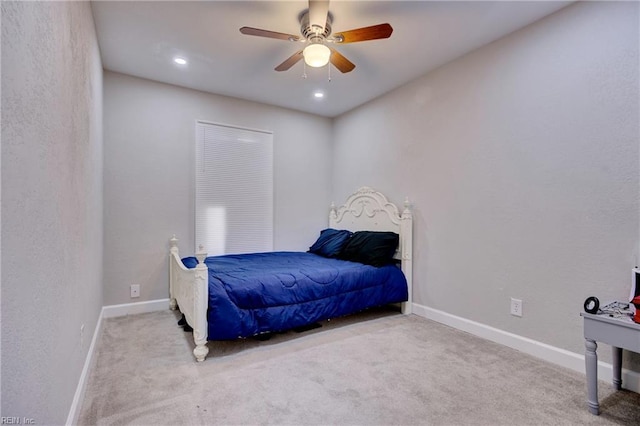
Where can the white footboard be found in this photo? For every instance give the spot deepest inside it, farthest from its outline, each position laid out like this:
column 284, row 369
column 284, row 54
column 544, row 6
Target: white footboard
column 189, row 290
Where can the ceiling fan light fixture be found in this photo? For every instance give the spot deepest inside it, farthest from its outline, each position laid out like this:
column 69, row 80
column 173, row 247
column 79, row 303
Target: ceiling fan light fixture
column 316, row 55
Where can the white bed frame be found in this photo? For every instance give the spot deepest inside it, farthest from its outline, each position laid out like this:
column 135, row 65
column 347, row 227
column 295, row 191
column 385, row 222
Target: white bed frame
column 365, row 210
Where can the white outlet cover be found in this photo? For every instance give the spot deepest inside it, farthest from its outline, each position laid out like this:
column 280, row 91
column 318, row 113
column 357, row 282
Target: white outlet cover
column 516, row 307
column 135, row 290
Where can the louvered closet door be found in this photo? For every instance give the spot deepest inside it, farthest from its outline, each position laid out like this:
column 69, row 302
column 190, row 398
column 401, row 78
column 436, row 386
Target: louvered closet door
column 234, row 189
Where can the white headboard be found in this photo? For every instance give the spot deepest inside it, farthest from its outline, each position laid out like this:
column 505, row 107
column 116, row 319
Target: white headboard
column 369, row 210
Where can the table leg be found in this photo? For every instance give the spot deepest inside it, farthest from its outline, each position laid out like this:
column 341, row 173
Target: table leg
column 591, row 363
column 617, row 368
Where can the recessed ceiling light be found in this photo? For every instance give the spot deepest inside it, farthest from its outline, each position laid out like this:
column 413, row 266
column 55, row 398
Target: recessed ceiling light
column 318, row 95
column 180, row 61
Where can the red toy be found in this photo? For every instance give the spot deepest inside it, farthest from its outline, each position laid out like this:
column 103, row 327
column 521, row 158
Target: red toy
column 636, row 303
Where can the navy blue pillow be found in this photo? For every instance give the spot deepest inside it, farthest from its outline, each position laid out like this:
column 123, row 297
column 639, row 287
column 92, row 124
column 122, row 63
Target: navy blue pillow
column 371, row 247
column 330, row 242
column 190, row 262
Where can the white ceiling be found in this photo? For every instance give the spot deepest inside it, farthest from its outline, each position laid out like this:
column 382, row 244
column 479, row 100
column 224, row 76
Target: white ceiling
column 140, row 38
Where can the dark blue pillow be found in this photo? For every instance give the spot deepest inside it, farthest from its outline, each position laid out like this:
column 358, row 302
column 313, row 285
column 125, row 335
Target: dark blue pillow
column 371, row 247
column 330, row 242
column 190, row 262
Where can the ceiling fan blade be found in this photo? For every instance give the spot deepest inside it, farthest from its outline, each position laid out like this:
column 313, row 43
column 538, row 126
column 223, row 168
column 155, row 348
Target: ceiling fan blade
column 374, row 32
column 290, row 61
column 339, row 61
column 269, row 34
column 318, row 10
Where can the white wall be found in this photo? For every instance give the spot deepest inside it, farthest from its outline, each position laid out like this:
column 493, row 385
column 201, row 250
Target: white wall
column 149, row 176
column 521, row 159
column 51, row 203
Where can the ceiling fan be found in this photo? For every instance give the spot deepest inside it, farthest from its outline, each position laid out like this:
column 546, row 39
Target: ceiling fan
column 315, row 27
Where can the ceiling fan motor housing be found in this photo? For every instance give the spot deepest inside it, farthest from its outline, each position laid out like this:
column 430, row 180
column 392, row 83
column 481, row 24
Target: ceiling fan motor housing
column 314, row 33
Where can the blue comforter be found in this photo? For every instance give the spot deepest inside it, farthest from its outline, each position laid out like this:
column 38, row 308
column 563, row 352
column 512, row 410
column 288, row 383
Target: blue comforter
column 255, row 293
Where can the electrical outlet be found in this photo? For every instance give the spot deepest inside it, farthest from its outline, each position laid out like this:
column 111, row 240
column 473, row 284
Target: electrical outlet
column 516, row 307
column 135, row 290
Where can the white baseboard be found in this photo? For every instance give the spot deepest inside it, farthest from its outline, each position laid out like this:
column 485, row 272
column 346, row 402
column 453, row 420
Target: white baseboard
column 112, row 311
column 74, row 411
column 562, row 357
column 107, row 312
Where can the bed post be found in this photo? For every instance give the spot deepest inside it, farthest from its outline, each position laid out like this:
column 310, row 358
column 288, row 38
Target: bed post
column 406, row 228
column 173, row 250
column 201, row 303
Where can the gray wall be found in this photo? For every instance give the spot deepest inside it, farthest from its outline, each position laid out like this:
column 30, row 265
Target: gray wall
column 521, row 159
column 148, row 177
column 51, row 203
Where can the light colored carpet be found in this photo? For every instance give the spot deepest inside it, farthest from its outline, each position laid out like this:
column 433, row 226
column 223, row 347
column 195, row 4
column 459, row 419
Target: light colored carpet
column 374, row 368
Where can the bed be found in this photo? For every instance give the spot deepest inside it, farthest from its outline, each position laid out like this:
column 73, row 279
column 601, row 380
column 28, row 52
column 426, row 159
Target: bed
column 362, row 260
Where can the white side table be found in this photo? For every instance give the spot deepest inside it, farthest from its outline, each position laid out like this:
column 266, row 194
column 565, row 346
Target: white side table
column 620, row 333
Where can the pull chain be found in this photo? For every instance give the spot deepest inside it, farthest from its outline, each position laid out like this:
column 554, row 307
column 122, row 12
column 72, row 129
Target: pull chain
column 329, row 71
column 304, row 70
